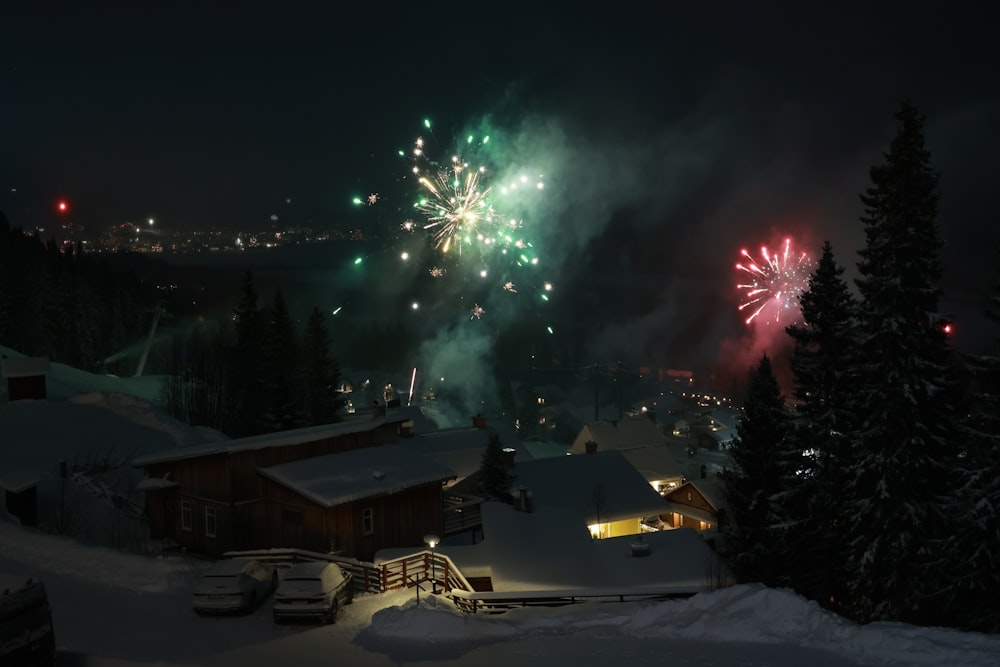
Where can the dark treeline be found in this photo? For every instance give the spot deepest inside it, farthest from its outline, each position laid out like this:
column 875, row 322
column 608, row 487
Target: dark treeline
column 875, row 490
column 251, row 373
column 256, row 372
column 58, row 302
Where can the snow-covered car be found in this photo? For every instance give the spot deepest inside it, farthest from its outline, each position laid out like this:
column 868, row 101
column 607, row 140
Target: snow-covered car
column 313, row 590
column 234, row 585
column 26, row 635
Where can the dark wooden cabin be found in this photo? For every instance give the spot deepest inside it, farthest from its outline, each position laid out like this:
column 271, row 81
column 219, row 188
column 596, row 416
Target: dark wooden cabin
column 354, row 503
column 207, row 498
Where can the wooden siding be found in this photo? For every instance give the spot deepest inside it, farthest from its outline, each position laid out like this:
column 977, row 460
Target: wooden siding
column 399, row 520
column 697, row 500
column 230, row 483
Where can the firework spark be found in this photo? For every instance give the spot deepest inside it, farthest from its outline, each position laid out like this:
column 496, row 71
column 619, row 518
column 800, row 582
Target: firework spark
column 778, row 282
column 477, row 311
column 509, row 286
column 457, row 205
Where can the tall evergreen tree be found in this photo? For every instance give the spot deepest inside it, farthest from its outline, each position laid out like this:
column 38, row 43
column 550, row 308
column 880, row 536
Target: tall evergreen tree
column 823, row 343
column 246, row 399
column 755, row 520
column 281, row 377
column 974, row 597
column 321, row 373
column 904, row 451
column 494, row 474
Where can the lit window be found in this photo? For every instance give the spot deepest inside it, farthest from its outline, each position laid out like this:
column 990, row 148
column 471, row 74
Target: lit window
column 186, row 523
column 368, row 521
column 209, row 522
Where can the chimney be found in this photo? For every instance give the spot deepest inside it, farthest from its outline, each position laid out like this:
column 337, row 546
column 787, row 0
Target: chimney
column 640, row 547
column 508, row 456
column 591, row 446
column 479, row 421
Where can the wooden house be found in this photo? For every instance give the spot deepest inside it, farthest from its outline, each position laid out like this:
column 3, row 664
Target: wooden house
column 207, row 498
column 619, row 434
column 25, row 377
column 603, row 491
column 695, row 504
column 354, row 503
column 641, row 441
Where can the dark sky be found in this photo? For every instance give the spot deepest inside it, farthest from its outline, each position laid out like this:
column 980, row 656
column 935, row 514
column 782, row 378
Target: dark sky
column 670, row 135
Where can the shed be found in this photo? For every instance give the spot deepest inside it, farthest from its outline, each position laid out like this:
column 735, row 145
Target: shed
column 21, row 496
column 25, row 376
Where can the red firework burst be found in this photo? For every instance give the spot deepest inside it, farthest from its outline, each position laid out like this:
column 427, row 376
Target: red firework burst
column 775, row 284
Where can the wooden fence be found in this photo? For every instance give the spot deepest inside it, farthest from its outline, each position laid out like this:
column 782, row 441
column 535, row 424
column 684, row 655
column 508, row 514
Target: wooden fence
column 428, row 567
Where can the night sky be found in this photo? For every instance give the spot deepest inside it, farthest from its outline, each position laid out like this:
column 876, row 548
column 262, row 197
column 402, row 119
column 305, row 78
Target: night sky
column 669, row 138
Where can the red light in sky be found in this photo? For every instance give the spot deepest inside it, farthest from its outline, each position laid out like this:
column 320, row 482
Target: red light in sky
column 947, row 329
column 62, row 206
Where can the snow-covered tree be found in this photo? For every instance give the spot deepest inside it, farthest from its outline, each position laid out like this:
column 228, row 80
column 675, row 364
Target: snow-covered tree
column 246, row 399
column 823, row 388
column 321, row 373
column 281, row 377
column 756, row 522
column 974, row 595
column 494, row 475
column 904, row 450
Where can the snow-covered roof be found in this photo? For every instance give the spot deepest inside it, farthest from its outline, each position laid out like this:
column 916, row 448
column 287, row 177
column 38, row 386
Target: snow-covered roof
column 588, row 486
column 655, row 463
column 155, row 484
column 281, row 439
column 462, row 449
column 713, row 488
column 621, row 434
column 335, row 479
column 547, row 550
column 18, row 367
column 17, row 480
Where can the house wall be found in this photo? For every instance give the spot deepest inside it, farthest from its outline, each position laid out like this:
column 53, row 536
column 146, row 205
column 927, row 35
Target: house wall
column 618, row 528
column 229, row 483
column 32, row 386
column 690, row 496
column 399, row 519
column 624, row 527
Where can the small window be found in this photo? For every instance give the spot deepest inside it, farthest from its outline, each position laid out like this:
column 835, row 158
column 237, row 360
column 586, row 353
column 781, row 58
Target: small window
column 209, row 522
column 186, row 523
column 368, row 521
column 689, row 496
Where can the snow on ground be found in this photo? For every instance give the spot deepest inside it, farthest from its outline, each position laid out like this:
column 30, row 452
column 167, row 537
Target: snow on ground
column 113, row 608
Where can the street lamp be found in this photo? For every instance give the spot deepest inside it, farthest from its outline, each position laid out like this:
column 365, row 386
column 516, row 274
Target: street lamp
column 432, row 541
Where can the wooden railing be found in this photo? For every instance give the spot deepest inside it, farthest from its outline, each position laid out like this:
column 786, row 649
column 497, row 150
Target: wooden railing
column 423, row 566
column 427, row 567
column 461, row 513
column 367, row 577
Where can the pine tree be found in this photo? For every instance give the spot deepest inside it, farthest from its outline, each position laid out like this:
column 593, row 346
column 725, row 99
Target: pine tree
column 280, row 375
column 245, row 397
column 903, row 451
column 756, row 519
column 494, row 475
column 822, row 391
column 321, row 373
column 974, row 597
